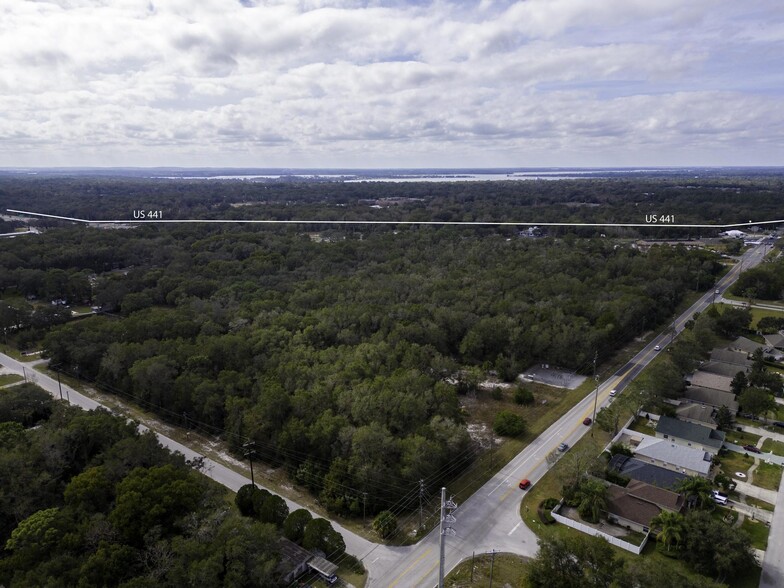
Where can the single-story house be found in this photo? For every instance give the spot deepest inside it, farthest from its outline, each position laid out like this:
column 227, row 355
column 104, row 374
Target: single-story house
column 696, row 413
column 638, row 503
column 719, row 368
column 715, row 381
column 645, row 472
column 690, row 434
column 672, row 456
column 733, row 357
column 776, row 341
column 744, row 345
column 715, row 398
column 293, row 560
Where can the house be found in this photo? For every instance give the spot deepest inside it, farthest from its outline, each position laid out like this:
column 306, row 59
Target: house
column 668, row 454
column 690, row 434
column 707, row 380
column 645, row 472
column 293, row 560
column 744, row 345
column 733, row 357
column 776, row 341
column 638, row 503
column 715, row 398
column 728, row 370
column 696, row 413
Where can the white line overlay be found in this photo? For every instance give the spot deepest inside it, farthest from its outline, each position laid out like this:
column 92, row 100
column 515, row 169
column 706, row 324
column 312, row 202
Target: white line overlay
column 391, row 222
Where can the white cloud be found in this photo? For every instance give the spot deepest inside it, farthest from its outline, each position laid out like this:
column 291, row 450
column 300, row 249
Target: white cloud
column 310, row 82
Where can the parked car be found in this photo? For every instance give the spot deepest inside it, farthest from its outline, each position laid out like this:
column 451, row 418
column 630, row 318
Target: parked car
column 525, row 484
column 563, row 447
column 778, row 424
column 587, row 421
column 752, row 448
column 719, row 498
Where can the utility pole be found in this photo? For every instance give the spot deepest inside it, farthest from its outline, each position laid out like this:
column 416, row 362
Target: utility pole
column 364, row 503
column 59, row 385
column 421, row 496
column 492, row 562
column 596, row 382
column 249, row 447
column 24, row 372
column 447, row 506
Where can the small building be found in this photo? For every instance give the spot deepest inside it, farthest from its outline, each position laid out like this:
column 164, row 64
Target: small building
column 638, row 503
column 719, row 368
column 744, row 345
column 776, row 341
column 715, row 398
column 635, row 469
column 733, row 357
column 672, row 456
column 696, row 413
column 690, row 434
column 293, row 560
column 707, row 380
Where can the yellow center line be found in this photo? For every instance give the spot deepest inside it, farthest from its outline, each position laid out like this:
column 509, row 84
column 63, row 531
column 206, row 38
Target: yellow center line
column 415, row 562
column 426, row 574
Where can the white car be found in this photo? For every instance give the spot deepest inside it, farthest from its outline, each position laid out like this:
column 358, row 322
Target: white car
column 719, row 498
column 657, row 348
column 613, row 392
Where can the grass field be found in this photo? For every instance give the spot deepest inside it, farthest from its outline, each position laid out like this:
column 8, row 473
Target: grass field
column 758, row 313
column 758, row 533
column 742, row 438
column 759, row 503
column 775, row 447
column 768, row 475
column 6, row 379
column 508, row 570
column 735, row 462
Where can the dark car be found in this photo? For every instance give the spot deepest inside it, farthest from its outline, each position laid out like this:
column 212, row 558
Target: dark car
column 525, row 484
column 563, row 447
column 752, row 448
column 778, row 424
column 587, row 421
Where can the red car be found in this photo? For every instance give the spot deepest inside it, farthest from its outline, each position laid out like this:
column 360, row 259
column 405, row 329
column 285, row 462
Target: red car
column 525, row 484
column 752, row 448
column 587, row 421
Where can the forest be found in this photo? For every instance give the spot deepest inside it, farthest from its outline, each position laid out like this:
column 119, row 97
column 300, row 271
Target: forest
column 86, row 500
column 343, row 353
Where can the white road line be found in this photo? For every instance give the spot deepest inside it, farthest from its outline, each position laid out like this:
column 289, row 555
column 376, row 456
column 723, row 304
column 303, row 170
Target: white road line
column 514, row 528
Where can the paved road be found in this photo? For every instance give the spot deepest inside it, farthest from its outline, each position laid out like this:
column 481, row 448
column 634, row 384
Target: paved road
column 490, row 519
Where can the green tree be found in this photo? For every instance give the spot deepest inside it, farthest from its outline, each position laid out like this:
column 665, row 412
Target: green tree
column 739, row 383
column 573, row 561
column 757, row 401
column 724, row 418
column 523, row 395
column 592, row 495
column 670, row 526
column 697, row 490
column 509, row 424
column 319, row 534
column 385, row 524
column 295, row 523
column 273, row 510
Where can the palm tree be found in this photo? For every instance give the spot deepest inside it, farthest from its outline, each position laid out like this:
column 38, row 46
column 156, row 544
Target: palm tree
column 670, row 525
column 593, row 499
column 696, row 488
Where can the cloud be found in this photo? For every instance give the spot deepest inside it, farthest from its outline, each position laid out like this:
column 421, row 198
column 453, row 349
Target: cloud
column 546, row 82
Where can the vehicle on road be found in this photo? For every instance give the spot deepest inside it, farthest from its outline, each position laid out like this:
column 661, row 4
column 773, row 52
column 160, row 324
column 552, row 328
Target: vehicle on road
column 525, row 484
column 752, row 448
column 613, row 392
column 657, row 348
column 718, row 497
column 587, row 421
column 563, row 447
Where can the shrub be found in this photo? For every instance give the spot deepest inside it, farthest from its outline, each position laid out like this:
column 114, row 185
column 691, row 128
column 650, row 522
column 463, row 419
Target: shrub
column 385, row 524
column 509, row 424
column 523, row 395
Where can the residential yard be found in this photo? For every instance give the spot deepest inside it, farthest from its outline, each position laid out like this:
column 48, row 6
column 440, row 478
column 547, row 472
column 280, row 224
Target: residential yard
column 758, row 313
column 736, row 462
column 643, row 425
column 758, row 532
column 759, row 503
column 12, row 351
column 775, row 447
column 768, row 475
column 742, row 438
column 6, row 379
column 508, row 570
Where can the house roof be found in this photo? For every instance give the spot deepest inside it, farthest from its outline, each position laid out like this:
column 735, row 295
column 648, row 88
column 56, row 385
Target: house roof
column 645, row 472
column 629, row 507
column 690, row 432
column 291, row 556
column 714, row 381
column 776, row 340
column 679, row 456
column 696, row 412
column 712, row 397
column 733, row 357
column 658, row 496
column 745, row 345
column 323, row 566
column 728, row 370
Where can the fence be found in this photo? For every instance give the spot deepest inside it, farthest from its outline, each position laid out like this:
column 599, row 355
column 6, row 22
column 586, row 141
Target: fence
column 636, row 549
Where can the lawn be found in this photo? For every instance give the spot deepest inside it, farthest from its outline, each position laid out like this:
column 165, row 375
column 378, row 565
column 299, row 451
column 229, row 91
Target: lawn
column 742, row 438
column 508, row 570
column 6, row 379
column 758, row 313
column 768, row 475
column 759, row 503
column 775, row 447
column 641, row 426
column 13, row 352
column 757, row 531
column 736, row 462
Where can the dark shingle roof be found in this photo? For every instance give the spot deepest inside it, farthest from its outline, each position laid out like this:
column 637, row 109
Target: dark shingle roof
column 645, row 472
column 690, row 432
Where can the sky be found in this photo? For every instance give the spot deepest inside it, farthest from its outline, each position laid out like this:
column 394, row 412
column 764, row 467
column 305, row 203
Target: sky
column 391, row 83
